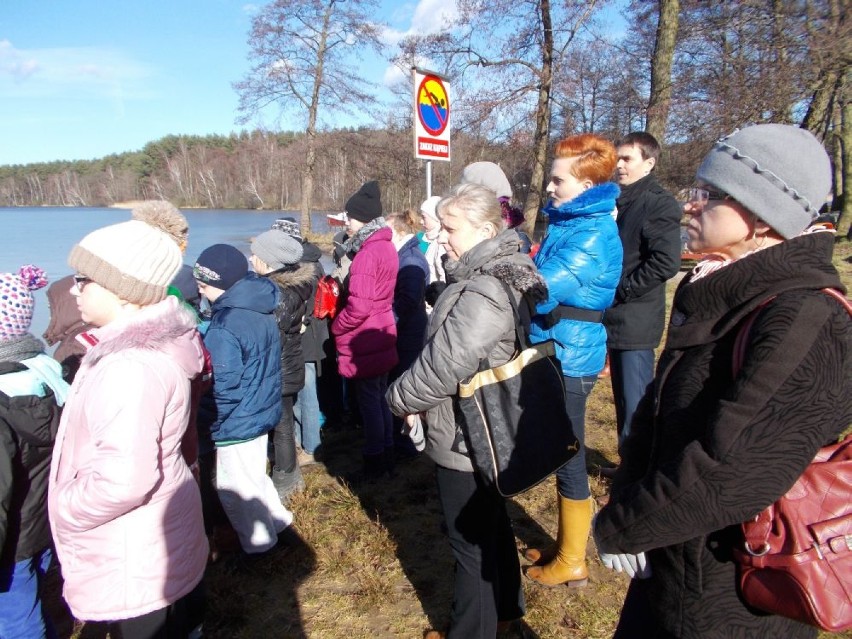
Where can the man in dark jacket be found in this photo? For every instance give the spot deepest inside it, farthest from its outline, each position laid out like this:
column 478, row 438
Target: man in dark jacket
column 649, row 227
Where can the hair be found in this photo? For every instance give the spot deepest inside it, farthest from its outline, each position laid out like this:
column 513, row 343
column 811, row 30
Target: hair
column 405, row 222
column 478, row 204
column 647, row 143
column 596, row 156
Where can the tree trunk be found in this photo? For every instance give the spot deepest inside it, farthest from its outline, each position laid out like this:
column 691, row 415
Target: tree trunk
column 541, row 136
column 661, row 69
column 844, row 224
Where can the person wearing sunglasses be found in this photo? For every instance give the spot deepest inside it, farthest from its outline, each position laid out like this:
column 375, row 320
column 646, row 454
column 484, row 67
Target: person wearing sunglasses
column 715, row 447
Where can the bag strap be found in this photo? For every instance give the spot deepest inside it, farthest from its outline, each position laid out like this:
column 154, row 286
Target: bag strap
column 757, row 531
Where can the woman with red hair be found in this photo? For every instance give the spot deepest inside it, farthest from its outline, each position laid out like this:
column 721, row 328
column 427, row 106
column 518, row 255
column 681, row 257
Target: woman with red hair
column 580, row 259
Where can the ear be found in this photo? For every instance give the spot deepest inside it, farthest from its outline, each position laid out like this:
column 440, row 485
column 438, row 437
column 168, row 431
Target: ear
column 652, row 162
column 587, row 184
column 489, row 230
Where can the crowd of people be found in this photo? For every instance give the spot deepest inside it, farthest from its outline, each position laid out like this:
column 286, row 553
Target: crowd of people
column 181, row 402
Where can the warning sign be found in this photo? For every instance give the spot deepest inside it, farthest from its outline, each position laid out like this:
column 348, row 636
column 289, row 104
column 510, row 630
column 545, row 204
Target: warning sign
column 431, row 116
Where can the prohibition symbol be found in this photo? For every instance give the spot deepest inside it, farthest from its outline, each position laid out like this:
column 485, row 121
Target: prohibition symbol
column 433, row 105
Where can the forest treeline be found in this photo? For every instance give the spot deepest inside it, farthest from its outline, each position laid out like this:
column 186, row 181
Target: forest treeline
column 261, row 170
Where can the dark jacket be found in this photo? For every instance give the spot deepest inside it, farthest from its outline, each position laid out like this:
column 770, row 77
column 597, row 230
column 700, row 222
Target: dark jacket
column 409, row 302
column 315, row 334
column 28, row 425
column 580, row 259
column 245, row 347
column 649, row 227
column 295, row 287
column 472, row 320
column 65, row 325
column 721, row 449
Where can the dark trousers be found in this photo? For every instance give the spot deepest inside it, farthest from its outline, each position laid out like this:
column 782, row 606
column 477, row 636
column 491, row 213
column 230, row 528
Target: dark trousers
column 175, row 621
column 632, row 372
column 284, row 438
column 376, row 417
column 572, row 482
column 487, row 586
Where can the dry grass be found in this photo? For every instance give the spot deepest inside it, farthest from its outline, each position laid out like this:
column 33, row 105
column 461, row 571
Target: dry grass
column 377, row 563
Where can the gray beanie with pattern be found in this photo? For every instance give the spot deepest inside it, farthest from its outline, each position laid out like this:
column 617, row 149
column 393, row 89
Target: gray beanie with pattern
column 779, row 172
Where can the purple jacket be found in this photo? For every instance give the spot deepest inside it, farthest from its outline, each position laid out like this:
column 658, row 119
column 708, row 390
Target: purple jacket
column 365, row 330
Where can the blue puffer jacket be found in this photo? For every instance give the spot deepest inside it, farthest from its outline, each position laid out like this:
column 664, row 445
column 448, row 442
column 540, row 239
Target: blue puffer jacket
column 580, row 259
column 245, row 347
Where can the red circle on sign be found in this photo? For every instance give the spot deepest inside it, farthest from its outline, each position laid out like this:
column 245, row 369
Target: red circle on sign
column 433, row 105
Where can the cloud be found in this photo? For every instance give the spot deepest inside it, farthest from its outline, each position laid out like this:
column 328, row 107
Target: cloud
column 428, row 16
column 72, row 73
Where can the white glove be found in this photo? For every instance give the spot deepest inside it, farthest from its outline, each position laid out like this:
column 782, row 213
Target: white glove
column 634, row 565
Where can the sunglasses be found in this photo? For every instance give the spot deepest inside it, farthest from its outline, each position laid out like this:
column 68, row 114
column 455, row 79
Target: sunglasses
column 702, row 196
column 80, row 282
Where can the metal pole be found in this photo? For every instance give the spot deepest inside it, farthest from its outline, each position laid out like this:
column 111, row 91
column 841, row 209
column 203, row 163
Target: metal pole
column 428, row 178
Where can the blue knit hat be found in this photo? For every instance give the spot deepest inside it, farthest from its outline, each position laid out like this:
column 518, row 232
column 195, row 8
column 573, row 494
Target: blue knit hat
column 220, row 266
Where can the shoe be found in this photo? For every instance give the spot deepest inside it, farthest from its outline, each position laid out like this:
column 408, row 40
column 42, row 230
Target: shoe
column 609, row 472
column 568, row 566
column 434, row 634
column 540, row 556
column 305, row 458
column 287, row 484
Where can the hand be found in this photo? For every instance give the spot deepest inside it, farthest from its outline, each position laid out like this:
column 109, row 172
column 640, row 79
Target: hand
column 634, row 565
column 433, row 291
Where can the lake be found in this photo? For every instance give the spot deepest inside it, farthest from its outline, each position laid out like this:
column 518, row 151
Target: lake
column 45, row 235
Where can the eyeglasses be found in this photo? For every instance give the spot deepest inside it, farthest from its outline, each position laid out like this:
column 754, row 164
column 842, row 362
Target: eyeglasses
column 80, row 282
column 702, row 196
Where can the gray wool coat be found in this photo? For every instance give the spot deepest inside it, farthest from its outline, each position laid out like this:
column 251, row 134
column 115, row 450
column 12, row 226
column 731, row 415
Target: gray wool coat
column 472, row 320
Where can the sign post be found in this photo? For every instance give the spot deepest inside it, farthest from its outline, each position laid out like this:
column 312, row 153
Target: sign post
column 431, row 120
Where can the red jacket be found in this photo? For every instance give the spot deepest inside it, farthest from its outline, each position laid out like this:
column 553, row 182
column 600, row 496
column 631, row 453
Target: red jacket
column 365, row 330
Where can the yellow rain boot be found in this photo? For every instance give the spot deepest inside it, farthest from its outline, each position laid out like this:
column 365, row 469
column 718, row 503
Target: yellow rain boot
column 569, row 565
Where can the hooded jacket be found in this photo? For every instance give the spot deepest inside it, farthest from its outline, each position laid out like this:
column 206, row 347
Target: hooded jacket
column 649, row 227
column 365, row 330
column 245, row 348
column 708, row 451
column 315, row 333
column 124, row 508
column 580, row 259
column 29, row 419
column 65, row 325
column 409, row 301
column 472, row 320
column 295, row 287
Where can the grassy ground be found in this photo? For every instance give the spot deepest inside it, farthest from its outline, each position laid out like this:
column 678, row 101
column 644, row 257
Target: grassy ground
column 377, row 564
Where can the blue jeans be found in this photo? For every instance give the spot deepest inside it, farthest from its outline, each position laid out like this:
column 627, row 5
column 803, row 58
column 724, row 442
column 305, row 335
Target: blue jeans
column 21, row 613
column 487, row 585
column 376, row 417
column 632, row 372
column 306, row 411
column 572, row 482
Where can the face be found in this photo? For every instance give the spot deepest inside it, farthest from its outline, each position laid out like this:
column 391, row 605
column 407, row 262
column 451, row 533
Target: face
column 429, row 223
column 97, row 305
column 720, row 226
column 260, row 267
column 563, row 186
column 210, row 292
column 631, row 167
column 353, row 225
column 458, row 235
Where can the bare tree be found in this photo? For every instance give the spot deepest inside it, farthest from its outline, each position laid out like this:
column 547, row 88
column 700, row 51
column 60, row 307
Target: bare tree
column 661, row 68
column 301, row 53
column 503, row 79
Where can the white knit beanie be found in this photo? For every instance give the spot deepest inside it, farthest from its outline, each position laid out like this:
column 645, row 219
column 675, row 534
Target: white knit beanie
column 430, row 207
column 134, row 260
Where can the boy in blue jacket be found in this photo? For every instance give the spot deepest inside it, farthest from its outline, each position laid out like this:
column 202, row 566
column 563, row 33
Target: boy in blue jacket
column 245, row 401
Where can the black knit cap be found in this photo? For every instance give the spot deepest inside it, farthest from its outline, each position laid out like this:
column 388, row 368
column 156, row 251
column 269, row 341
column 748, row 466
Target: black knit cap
column 366, row 204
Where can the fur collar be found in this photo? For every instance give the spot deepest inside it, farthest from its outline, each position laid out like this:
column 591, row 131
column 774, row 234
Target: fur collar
column 304, row 274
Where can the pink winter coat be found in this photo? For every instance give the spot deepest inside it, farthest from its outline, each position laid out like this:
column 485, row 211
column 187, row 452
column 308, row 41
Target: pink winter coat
column 124, row 508
column 365, row 330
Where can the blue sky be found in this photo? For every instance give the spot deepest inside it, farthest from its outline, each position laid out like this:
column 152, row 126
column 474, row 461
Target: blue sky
column 81, row 79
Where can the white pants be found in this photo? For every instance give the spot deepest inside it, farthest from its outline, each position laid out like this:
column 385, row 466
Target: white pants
column 248, row 496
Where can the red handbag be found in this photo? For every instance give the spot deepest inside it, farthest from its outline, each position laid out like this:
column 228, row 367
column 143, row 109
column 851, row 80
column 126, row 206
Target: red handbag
column 796, row 559
column 327, row 300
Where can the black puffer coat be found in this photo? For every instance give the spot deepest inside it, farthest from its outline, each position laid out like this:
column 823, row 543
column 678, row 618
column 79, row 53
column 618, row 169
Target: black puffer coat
column 721, row 449
column 28, row 426
column 315, row 333
column 295, row 287
column 471, row 320
column 649, row 227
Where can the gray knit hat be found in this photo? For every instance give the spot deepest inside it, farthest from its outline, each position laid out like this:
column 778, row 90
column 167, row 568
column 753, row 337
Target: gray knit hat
column 489, row 175
column 781, row 173
column 134, row 260
column 277, row 248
